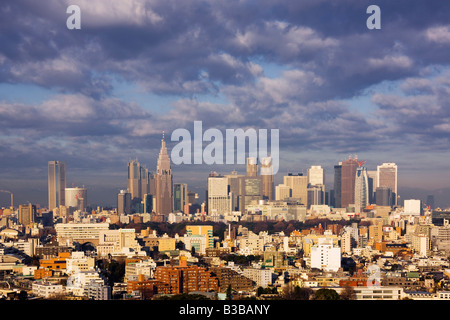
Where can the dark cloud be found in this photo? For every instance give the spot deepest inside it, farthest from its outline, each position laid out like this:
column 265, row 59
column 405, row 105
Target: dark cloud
column 196, row 50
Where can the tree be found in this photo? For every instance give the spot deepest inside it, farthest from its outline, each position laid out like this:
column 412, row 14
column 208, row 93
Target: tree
column 326, row 294
column 348, row 293
column 23, row 295
column 229, row 293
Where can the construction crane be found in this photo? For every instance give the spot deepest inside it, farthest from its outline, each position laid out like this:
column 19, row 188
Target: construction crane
column 6, row 191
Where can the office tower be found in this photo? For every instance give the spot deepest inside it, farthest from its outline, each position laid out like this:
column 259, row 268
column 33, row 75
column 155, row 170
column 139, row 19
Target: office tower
column 148, row 203
column 76, row 198
column 337, row 185
column 316, row 176
column 252, row 190
column 144, row 181
column 348, row 175
column 387, row 177
column 316, row 186
column 252, row 167
column 267, row 178
column 123, row 202
column 361, row 189
column 180, row 196
column 56, row 184
column 234, row 182
column 27, row 213
column 163, row 182
column 383, row 196
column 299, row 186
column 134, row 179
column 372, row 179
column 316, row 195
column 219, row 200
column 430, row 202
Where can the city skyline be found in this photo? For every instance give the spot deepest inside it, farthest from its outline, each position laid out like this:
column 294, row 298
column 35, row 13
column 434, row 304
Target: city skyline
column 102, row 95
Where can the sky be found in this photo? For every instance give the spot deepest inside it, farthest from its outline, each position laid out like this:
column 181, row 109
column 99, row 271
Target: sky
column 100, row 96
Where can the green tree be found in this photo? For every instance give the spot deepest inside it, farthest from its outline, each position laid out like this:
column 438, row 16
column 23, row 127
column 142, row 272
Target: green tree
column 326, row 294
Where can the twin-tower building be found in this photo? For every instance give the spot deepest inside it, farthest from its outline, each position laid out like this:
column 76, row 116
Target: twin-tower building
column 58, row 194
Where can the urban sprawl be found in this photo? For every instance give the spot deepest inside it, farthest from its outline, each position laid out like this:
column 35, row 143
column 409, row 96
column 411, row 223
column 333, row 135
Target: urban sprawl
column 249, row 239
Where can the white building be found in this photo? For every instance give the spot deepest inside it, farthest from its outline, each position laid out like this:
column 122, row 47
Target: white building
column 219, row 200
column 421, row 244
column 262, row 277
column 80, row 232
column 145, row 268
column 316, row 176
column 46, row 289
column 115, row 241
column 412, row 207
column 199, row 242
column 78, row 282
column 325, row 256
column 79, row 262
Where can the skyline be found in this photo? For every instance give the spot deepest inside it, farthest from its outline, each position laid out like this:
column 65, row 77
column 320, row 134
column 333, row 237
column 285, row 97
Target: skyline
column 100, row 96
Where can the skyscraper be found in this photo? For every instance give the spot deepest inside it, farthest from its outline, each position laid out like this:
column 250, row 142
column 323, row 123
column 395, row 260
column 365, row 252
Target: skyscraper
column 348, row 175
column 387, row 177
column 56, row 184
column 267, row 178
column 316, row 176
column 123, row 202
column 219, row 200
column 337, row 185
column 180, row 196
column 134, row 179
column 361, row 189
column 299, row 186
column 252, row 167
column 27, row 214
column 163, row 182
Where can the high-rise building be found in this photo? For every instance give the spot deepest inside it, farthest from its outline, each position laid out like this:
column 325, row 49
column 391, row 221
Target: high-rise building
column 180, row 196
column 163, row 182
column 316, row 195
column 124, row 202
column 76, row 198
column 337, row 185
column 299, row 186
column 252, row 167
column 219, row 200
column 361, row 189
column 27, row 213
column 387, row 177
column 134, row 179
column 282, row 192
column 56, row 184
column 145, row 182
column 251, row 191
column 372, row 179
column 234, row 182
column 383, row 196
column 348, row 175
column 267, row 178
column 316, row 176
